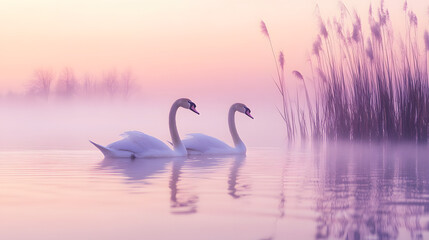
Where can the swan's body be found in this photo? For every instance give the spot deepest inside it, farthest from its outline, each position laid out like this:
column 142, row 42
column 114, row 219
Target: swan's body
column 139, row 145
column 198, row 143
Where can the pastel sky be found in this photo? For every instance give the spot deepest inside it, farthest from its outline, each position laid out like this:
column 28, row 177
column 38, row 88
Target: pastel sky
column 163, row 42
column 203, row 44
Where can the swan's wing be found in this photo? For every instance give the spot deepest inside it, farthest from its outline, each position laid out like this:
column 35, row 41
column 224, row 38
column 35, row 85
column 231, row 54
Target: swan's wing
column 126, row 144
column 199, row 142
column 136, row 144
column 145, row 142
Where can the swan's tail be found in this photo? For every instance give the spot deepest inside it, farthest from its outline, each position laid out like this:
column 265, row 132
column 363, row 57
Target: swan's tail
column 104, row 150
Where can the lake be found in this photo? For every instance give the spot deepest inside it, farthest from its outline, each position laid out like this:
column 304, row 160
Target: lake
column 318, row 191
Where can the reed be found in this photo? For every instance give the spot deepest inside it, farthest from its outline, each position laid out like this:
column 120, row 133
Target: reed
column 367, row 90
column 286, row 111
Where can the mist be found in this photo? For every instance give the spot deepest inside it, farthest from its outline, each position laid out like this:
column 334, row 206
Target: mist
column 70, row 124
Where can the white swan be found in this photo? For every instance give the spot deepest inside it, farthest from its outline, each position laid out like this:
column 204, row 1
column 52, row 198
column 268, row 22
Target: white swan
column 139, row 145
column 198, row 143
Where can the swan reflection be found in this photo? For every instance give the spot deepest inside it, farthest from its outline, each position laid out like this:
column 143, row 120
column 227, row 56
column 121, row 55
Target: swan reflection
column 182, row 201
column 183, row 197
column 136, row 169
column 235, row 188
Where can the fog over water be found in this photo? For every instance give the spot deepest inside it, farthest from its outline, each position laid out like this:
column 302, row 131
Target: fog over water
column 70, row 124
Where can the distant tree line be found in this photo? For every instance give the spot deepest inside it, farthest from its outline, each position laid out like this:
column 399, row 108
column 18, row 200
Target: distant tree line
column 46, row 85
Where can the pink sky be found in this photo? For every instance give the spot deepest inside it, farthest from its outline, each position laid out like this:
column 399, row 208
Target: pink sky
column 202, row 44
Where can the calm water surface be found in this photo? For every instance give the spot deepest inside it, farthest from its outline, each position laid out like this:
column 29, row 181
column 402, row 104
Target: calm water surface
column 331, row 191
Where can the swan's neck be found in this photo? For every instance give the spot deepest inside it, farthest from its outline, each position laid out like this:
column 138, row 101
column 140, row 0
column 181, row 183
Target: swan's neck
column 177, row 143
column 238, row 143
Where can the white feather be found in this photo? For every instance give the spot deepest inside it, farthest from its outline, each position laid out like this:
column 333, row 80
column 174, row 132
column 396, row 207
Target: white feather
column 198, row 143
column 140, row 145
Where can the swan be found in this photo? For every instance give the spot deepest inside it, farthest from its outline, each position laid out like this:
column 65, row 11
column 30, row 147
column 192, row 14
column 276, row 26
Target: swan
column 139, row 145
column 198, row 143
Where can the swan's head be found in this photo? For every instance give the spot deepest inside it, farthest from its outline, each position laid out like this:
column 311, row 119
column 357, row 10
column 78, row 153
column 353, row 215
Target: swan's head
column 243, row 109
column 187, row 103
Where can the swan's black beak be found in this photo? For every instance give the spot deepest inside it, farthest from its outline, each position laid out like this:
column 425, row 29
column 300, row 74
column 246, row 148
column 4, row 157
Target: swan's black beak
column 192, row 107
column 247, row 112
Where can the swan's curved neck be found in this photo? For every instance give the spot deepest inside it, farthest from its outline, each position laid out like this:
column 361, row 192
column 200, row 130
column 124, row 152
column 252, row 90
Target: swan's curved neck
column 233, row 129
column 177, row 143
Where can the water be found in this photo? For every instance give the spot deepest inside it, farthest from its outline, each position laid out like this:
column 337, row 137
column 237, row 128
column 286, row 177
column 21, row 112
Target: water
column 331, row 191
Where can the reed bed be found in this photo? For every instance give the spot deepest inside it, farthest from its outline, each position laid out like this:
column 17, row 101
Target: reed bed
column 373, row 89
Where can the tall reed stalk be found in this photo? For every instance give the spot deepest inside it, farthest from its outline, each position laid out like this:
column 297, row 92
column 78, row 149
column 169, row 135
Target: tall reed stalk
column 286, row 111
